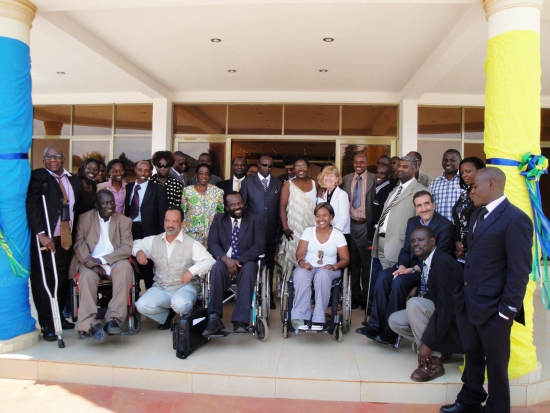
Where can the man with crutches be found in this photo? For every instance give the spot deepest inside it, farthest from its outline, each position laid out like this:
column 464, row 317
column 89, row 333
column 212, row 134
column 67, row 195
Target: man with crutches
column 60, row 189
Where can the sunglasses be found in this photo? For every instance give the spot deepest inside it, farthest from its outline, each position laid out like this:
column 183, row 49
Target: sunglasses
column 182, row 163
column 267, row 165
column 162, row 166
column 57, row 157
column 289, row 169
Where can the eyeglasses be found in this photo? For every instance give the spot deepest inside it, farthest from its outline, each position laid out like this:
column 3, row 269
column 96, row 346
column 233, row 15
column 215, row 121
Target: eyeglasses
column 57, row 157
column 162, row 166
column 267, row 165
column 301, row 167
column 182, row 163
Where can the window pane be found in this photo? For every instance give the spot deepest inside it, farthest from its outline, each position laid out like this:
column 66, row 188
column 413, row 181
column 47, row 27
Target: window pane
column 432, row 155
column 474, row 123
column 134, row 119
column 38, row 146
column 192, row 150
column 132, row 150
column 52, row 120
column 369, row 120
column 83, row 150
column 474, row 149
column 93, row 120
column 372, row 151
column 256, row 119
column 545, row 125
column 312, row 120
column 437, row 122
column 204, row 119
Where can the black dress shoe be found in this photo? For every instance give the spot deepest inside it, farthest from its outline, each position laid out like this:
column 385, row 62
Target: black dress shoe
column 97, row 332
column 48, row 333
column 239, row 327
column 168, row 323
column 368, row 331
column 214, row 325
column 112, row 327
column 65, row 325
column 355, row 303
column 387, row 337
column 456, row 407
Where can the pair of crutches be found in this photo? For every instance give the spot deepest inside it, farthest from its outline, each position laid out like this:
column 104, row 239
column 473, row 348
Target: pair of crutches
column 53, row 297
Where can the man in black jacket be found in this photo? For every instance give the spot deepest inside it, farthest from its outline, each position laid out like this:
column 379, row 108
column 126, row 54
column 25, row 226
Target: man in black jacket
column 60, row 189
column 238, row 166
column 429, row 318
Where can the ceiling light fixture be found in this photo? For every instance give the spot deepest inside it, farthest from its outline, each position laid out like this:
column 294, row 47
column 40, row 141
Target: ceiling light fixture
column 60, row 73
column 214, row 40
column 231, row 70
column 328, row 39
column 323, row 70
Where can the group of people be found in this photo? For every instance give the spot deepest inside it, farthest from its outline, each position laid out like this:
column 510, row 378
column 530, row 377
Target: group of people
column 429, row 259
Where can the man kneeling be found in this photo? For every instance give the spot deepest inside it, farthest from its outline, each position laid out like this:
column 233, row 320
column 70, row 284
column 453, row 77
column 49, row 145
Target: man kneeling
column 179, row 261
column 102, row 247
column 429, row 319
column 236, row 239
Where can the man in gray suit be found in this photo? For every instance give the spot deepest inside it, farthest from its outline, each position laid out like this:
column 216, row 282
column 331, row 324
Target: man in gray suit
column 178, row 170
column 422, row 177
column 359, row 186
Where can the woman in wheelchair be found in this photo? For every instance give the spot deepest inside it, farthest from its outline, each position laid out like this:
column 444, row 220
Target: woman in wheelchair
column 321, row 256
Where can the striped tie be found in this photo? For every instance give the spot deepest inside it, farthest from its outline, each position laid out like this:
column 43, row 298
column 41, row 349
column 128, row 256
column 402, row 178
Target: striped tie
column 387, row 210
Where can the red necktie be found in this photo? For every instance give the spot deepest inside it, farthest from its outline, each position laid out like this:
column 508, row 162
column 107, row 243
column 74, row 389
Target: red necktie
column 134, row 208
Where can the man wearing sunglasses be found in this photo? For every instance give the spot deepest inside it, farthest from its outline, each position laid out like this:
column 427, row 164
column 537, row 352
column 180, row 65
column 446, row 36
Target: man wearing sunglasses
column 178, row 169
column 289, row 174
column 60, row 189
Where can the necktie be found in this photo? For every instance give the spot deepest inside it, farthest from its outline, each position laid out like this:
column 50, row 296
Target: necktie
column 234, row 240
column 423, row 281
column 238, row 187
column 387, row 210
column 264, row 183
column 66, row 237
column 356, row 201
column 134, row 208
column 481, row 217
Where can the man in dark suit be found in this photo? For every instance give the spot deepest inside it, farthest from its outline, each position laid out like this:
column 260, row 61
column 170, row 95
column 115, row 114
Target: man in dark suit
column 265, row 203
column 60, row 189
column 178, row 169
column 145, row 205
column 429, row 318
column 359, row 186
column 238, row 165
column 394, row 283
column 384, row 185
column 236, row 240
column 496, row 273
column 289, row 174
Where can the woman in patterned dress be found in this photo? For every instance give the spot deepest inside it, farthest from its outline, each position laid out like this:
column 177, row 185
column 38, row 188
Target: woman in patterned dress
column 163, row 161
column 200, row 202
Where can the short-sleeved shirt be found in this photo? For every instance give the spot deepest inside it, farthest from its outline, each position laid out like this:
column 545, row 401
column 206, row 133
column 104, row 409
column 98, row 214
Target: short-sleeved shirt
column 329, row 248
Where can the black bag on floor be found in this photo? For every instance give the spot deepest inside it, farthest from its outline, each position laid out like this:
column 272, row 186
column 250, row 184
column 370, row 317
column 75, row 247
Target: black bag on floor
column 187, row 332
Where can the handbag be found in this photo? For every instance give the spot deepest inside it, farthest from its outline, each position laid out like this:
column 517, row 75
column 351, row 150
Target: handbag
column 187, row 332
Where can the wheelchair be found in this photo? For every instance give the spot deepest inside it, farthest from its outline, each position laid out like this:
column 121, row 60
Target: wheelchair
column 259, row 312
column 104, row 294
column 340, row 317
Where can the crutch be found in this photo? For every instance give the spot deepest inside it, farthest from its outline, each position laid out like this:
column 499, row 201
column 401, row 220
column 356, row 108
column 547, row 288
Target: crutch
column 368, row 292
column 53, row 298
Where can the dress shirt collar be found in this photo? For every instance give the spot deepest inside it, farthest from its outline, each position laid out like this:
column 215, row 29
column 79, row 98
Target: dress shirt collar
column 428, row 261
column 363, row 175
column 492, row 205
column 261, row 178
column 143, row 186
column 102, row 221
column 422, row 222
column 235, row 179
column 382, row 185
column 178, row 238
column 65, row 173
column 406, row 184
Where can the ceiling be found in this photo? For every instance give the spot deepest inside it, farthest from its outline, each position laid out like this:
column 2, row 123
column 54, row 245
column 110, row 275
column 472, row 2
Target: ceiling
column 383, row 50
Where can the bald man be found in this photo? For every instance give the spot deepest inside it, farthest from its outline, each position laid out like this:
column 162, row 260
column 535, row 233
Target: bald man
column 498, row 264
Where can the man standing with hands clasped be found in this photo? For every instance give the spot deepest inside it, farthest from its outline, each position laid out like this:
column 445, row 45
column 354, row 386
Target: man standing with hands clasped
column 498, row 263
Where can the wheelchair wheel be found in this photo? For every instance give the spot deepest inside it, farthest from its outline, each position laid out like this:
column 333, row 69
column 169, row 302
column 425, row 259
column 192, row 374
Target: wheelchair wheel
column 346, row 302
column 136, row 324
column 339, row 333
column 265, row 297
column 261, row 329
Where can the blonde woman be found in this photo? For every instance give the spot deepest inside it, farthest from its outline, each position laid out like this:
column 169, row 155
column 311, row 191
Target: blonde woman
column 329, row 179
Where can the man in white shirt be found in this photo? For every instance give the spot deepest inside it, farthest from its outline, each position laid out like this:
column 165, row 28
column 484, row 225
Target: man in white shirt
column 179, row 262
column 239, row 173
column 102, row 247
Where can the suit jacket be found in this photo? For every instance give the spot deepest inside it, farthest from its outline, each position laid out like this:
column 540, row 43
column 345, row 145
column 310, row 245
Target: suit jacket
column 153, row 208
column 396, row 229
column 183, row 178
column 424, row 178
column 251, row 241
column 265, row 204
column 340, row 203
column 42, row 183
column 378, row 206
column 445, row 275
column 87, row 237
column 444, row 235
column 369, row 194
column 227, row 185
column 283, row 178
column 498, row 264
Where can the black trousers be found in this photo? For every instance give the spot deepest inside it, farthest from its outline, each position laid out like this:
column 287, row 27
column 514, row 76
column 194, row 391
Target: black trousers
column 360, row 259
column 270, row 251
column 390, row 295
column 39, row 292
column 487, row 344
column 220, row 282
column 145, row 271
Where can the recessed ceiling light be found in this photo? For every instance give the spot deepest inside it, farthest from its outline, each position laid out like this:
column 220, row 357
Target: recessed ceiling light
column 60, row 73
column 328, row 39
column 214, row 40
column 323, row 70
column 231, row 70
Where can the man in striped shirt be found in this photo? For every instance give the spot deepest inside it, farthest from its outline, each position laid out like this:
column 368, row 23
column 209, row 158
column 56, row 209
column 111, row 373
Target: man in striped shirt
column 446, row 188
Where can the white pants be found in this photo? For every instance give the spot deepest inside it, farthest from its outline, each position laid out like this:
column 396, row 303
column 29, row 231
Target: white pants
column 156, row 301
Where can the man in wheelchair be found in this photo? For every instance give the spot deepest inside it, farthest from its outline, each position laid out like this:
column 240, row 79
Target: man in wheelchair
column 236, row 240
column 102, row 247
column 179, row 262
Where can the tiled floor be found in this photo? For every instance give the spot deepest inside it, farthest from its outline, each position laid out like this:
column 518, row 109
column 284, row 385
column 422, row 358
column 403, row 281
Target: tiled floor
column 304, row 366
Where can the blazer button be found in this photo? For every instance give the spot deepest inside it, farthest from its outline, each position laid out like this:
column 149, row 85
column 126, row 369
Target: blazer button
column 465, row 282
